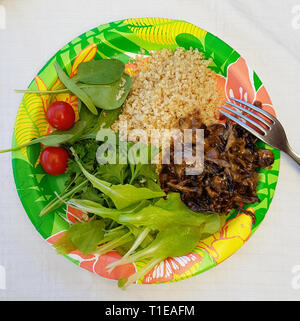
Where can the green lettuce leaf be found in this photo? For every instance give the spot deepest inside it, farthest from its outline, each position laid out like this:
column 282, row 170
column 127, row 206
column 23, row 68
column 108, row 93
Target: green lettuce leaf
column 85, row 237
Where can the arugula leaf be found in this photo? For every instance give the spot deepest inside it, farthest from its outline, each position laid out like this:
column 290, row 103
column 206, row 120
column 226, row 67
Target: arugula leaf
column 105, row 212
column 163, row 212
column 148, row 171
column 63, row 197
column 156, row 217
column 179, row 230
column 105, row 120
column 122, row 195
column 170, row 242
column 113, row 173
column 86, row 151
column 126, row 195
column 90, row 193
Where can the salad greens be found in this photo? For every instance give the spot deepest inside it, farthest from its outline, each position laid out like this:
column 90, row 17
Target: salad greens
column 121, row 195
column 91, row 88
column 126, row 210
column 176, row 227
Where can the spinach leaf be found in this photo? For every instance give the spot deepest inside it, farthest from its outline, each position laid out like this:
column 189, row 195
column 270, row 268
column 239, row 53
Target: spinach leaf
column 56, row 137
column 109, row 97
column 100, row 72
column 76, row 90
column 50, row 140
column 75, row 131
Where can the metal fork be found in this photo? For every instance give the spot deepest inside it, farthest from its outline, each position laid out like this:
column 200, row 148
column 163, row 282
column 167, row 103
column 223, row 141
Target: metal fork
column 272, row 133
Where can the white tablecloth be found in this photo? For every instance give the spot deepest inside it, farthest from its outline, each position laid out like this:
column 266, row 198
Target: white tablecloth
column 267, row 34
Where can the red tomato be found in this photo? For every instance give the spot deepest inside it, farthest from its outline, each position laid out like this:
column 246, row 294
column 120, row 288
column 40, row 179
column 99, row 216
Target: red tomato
column 61, row 115
column 54, row 160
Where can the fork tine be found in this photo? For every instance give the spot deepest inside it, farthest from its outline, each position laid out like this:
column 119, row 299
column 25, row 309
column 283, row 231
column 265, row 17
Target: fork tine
column 242, row 124
column 246, row 118
column 260, row 110
column 262, row 120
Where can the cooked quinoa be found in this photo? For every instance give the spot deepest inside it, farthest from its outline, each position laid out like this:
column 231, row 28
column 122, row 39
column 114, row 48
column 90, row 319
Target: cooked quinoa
column 167, row 86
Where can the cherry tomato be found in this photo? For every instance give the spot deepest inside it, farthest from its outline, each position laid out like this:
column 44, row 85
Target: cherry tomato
column 54, row 160
column 61, row 115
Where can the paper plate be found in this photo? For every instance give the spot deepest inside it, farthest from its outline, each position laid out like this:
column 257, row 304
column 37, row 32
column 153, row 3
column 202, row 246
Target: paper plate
column 123, row 39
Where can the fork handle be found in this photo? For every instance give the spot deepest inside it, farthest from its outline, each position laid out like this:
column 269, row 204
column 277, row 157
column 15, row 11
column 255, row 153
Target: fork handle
column 292, row 154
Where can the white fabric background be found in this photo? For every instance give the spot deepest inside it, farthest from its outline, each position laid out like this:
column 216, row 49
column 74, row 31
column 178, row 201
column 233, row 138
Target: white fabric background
column 267, row 34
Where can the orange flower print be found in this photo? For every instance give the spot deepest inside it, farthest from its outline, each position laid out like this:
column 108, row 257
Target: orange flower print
column 164, row 271
column 75, row 215
column 99, row 264
column 239, row 84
